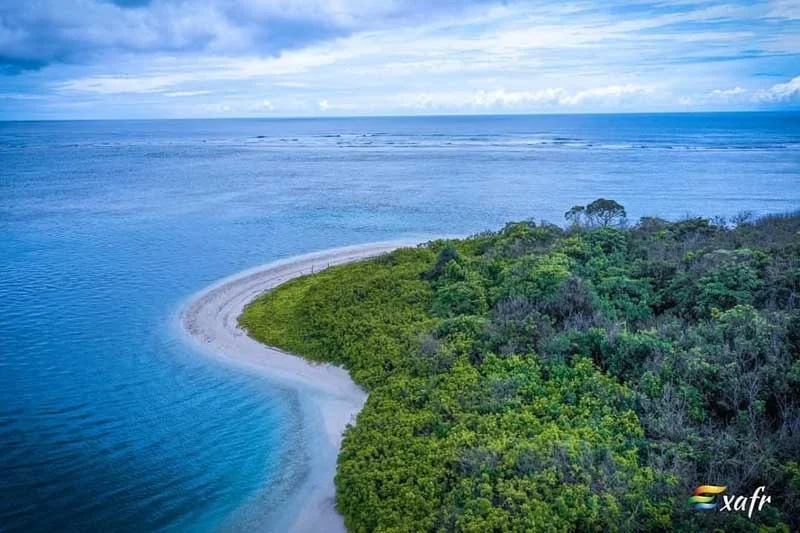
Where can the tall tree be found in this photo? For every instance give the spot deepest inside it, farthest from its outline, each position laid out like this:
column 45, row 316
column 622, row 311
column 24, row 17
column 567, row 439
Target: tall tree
column 605, row 212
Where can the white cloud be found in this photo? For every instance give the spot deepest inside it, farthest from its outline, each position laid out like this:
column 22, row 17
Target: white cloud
column 501, row 97
column 21, row 96
column 182, row 94
column 727, row 92
column 52, row 31
column 345, row 13
column 292, row 84
column 218, row 108
column 557, row 96
column 518, row 56
column 606, row 95
column 726, row 96
column 784, row 9
column 716, row 98
column 782, row 92
column 120, row 85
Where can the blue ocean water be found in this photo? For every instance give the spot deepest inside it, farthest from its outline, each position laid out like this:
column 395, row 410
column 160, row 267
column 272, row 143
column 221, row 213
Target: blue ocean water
column 109, row 420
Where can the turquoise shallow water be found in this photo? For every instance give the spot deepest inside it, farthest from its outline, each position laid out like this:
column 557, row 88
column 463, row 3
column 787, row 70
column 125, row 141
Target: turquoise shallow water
column 108, row 419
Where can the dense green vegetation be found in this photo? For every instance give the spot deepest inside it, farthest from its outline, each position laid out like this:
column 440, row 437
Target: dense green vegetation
column 548, row 379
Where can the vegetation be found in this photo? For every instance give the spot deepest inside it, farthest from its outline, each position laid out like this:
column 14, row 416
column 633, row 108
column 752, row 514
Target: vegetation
column 601, row 212
column 543, row 379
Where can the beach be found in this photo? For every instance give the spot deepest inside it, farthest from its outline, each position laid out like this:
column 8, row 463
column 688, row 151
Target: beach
column 329, row 399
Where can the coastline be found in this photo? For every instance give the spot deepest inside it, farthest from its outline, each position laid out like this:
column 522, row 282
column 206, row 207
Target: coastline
column 328, row 398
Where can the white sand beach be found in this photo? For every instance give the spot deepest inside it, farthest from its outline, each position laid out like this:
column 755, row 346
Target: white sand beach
column 329, row 398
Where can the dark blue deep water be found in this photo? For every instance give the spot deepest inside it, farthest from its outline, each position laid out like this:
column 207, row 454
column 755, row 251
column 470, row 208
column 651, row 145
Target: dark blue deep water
column 108, row 421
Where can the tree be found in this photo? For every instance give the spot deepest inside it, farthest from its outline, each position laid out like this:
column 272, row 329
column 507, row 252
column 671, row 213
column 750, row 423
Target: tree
column 605, row 212
column 575, row 214
column 448, row 253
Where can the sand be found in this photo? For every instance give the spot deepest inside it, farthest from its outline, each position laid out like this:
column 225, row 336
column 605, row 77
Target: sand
column 328, row 398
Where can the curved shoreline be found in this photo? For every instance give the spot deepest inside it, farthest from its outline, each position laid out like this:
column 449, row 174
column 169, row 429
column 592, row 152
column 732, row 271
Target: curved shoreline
column 329, row 398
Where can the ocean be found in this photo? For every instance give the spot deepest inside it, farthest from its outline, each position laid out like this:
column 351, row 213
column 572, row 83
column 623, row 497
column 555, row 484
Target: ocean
column 110, row 420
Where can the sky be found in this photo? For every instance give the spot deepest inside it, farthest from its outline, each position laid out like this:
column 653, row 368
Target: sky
column 84, row 59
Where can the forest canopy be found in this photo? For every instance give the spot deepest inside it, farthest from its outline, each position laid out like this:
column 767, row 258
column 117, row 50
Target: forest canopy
column 539, row 378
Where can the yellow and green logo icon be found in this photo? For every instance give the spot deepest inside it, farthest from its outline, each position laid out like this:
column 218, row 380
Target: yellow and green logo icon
column 705, row 496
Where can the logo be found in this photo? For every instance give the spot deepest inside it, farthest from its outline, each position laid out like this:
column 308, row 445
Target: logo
column 705, row 497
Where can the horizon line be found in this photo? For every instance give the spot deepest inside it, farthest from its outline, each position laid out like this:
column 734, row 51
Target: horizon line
column 421, row 115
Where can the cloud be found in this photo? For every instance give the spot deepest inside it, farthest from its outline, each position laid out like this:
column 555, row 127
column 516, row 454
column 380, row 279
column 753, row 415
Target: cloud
column 20, row 96
column 785, row 9
column 120, row 85
column 292, row 84
column 34, row 34
column 613, row 94
column 172, row 73
column 217, row 109
column 780, row 93
column 727, row 96
column 723, row 93
column 181, row 58
column 501, row 97
column 607, row 95
column 184, row 94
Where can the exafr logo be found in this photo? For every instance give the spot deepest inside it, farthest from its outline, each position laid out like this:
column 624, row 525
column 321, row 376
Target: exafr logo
column 707, row 497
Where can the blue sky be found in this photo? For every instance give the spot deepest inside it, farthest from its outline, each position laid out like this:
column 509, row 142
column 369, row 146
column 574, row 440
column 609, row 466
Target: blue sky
column 217, row 58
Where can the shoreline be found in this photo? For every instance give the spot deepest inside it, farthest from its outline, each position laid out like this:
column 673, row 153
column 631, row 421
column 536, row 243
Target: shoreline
column 328, row 397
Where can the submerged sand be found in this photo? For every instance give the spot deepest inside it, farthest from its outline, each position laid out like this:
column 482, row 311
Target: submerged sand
column 328, row 398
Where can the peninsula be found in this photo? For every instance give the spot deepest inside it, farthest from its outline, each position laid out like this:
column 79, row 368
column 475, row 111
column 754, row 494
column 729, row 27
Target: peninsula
column 538, row 377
